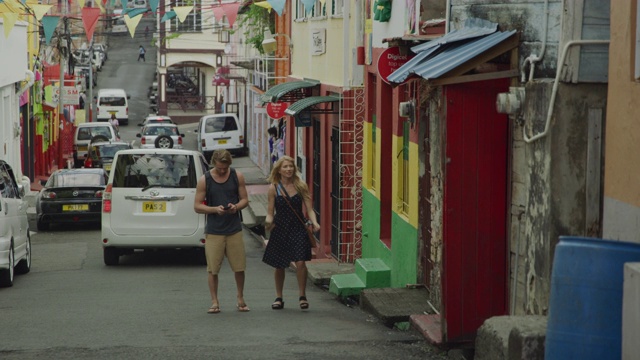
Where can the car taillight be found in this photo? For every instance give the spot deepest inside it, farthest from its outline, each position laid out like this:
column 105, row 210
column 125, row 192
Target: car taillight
column 143, row 140
column 126, row 111
column 241, row 139
column 106, row 199
column 98, row 109
column 49, row 195
column 203, row 143
column 179, row 141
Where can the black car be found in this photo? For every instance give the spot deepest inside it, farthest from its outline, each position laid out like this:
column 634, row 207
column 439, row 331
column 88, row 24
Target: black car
column 71, row 196
column 100, row 154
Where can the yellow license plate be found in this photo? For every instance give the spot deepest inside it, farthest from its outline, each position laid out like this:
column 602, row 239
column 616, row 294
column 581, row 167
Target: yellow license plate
column 75, row 207
column 82, row 148
column 154, row 206
column 107, row 167
column 222, row 142
column 113, row 112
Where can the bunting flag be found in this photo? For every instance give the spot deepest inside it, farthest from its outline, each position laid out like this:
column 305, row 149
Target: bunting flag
column 40, row 10
column 134, row 12
column 113, row 3
column 308, row 5
column 125, row 3
column 154, row 5
column 231, row 11
column 49, row 24
column 182, row 12
column 101, row 7
column 218, row 13
column 81, row 2
column 132, row 23
column 90, row 18
column 264, row 4
column 168, row 16
column 277, row 5
column 9, row 21
column 11, row 6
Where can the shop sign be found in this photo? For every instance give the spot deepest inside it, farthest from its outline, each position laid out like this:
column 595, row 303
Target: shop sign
column 390, row 60
column 276, row 110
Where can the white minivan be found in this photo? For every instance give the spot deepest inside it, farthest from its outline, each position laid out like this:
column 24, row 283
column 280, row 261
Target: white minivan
column 220, row 131
column 148, row 203
column 113, row 101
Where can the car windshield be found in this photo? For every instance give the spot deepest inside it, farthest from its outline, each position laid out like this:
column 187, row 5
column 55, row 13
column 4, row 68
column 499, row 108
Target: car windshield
column 160, row 130
column 108, row 150
column 68, row 179
column 86, row 133
column 161, row 170
column 218, row 124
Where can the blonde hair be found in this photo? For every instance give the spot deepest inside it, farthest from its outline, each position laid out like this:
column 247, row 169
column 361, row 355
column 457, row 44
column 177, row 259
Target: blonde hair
column 221, row 156
column 275, row 177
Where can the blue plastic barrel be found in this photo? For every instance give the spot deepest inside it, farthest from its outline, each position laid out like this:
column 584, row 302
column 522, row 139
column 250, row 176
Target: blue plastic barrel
column 585, row 305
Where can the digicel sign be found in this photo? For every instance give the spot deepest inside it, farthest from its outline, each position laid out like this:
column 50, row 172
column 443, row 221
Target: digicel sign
column 390, row 60
column 276, row 110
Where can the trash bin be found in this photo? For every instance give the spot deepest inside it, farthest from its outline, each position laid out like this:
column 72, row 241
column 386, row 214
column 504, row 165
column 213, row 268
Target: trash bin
column 585, row 306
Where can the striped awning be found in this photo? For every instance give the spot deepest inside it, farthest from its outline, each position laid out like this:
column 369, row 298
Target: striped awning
column 289, row 91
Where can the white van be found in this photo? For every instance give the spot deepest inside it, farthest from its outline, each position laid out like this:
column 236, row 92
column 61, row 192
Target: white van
column 220, row 131
column 113, row 101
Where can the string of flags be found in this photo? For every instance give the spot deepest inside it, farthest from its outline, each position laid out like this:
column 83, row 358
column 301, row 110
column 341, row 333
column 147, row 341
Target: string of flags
column 12, row 10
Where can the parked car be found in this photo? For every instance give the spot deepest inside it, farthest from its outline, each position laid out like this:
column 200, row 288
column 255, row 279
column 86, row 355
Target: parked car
column 148, row 202
column 220, row 131
column 100, row 154
column 15, row 242
column 90, row 132
column 101, row 47
column 162, row 136
column 156, row 119
column 71, row 196
column 83, row 70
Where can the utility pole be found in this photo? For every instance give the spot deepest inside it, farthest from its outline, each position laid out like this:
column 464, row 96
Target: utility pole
column 61, row 45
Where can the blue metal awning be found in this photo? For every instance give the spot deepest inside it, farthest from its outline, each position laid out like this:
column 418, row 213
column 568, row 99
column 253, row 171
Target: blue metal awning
column 436, row 58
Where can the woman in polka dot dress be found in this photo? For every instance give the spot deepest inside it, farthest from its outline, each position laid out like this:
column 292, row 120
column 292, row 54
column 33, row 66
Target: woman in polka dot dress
column 289, row 240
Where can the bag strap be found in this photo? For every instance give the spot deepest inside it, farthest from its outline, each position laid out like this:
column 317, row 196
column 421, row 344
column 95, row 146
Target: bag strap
column 286, row 198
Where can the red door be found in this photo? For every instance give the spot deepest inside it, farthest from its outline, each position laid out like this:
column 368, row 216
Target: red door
column 475, row 209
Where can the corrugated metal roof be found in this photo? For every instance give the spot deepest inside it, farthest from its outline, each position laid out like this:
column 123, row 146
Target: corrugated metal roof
column 300, row 105
column 447, row 53
column 276, row 92
column 472, row 28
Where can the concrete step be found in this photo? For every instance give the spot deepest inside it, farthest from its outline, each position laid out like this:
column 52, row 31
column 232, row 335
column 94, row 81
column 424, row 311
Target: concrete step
column 345, row 285
column 373, row 272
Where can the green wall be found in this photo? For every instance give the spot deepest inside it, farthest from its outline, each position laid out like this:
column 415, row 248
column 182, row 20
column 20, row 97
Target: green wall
column 402, row 258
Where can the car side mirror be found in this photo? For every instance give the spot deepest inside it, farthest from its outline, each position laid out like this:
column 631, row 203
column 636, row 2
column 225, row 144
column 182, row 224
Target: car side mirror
column 195, row 131
column 139, row 135
column 21, row 190
column 128, row 96
column 182, row 135
column 43, row 182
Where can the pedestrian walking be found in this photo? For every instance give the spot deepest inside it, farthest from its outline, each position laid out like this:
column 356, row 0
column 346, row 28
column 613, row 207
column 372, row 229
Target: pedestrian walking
column 289, row 240
column 115, row 123
column 82, row 100
column 146, row 31
column 220, row 195
column 141, row 53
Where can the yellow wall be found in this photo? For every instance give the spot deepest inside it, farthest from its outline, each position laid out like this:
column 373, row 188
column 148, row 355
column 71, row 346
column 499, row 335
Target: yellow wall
column 396, row 187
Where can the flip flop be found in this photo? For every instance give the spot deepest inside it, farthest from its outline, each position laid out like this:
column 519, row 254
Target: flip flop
column 214, row 309
column 304, row 304
column 243, row 307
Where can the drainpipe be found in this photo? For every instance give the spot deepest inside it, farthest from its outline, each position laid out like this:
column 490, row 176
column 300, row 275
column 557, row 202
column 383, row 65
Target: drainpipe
column 533, row 58
column 346, row 46
column 447, row 13
column 32, row 79
column 565, row 50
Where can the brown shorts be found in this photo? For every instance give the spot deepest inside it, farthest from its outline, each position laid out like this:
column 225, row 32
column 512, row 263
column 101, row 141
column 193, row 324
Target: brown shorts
column 217, row 246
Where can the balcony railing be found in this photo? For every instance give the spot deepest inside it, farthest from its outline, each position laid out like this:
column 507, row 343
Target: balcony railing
column 193, row 103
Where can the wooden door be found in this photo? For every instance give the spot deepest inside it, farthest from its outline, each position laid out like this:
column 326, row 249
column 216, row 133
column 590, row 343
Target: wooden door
column 475, row 208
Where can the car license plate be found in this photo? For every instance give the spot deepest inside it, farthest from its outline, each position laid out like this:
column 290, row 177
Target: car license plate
column 82, row 148
column 75, row 207
column 154, row 206
column 222, row 142
column 113, row 112
column 107, row 167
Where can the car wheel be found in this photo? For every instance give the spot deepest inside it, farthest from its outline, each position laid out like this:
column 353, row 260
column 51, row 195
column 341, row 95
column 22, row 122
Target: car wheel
column 98, row 138
column 6, row 275
column 111, row 256
column 164, row 142
column 43, row 226
column 24, row 266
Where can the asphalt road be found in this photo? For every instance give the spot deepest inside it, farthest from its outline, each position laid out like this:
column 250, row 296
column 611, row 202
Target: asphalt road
column 153, row 305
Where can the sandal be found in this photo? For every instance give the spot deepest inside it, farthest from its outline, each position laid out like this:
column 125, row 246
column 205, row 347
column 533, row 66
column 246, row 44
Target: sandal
column 243, row 307
column 278, row 304
column 304, row 304
column 214, row 309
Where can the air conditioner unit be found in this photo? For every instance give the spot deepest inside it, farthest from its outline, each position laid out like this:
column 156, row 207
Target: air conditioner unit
column 406, row 109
